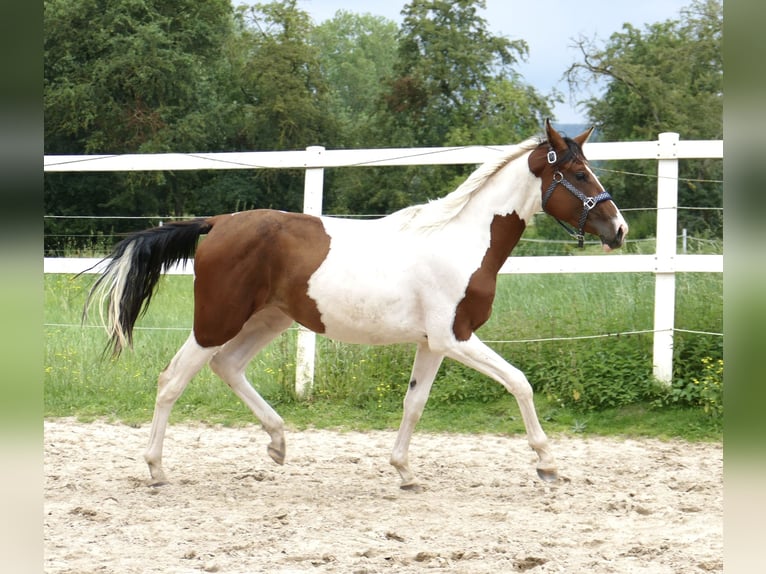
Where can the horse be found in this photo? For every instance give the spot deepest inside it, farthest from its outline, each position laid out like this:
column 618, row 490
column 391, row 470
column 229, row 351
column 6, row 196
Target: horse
column 425, row 275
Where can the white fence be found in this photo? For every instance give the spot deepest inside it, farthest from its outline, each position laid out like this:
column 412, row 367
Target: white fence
column 664, row 263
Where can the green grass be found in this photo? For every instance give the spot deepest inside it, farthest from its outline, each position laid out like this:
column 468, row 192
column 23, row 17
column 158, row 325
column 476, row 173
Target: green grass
column 595, row 386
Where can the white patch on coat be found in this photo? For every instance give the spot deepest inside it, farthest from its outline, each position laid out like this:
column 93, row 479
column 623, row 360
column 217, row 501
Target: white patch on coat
column 400, row 278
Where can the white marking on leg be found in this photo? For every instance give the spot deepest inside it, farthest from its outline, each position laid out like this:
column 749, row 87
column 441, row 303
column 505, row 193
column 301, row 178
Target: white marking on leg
column 230, row 363
column 479, row 356
column 424, row 371
column 187, row 362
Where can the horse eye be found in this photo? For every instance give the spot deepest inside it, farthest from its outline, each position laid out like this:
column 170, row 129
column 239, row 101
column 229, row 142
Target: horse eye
column 581, row 176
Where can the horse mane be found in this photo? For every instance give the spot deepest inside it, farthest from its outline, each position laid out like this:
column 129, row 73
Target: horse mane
column 438, row 212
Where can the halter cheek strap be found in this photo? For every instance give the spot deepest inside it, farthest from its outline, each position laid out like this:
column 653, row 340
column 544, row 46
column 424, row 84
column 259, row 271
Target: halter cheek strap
column 588, row 203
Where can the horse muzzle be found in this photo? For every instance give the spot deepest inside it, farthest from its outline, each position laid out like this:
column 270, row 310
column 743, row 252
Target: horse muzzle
column 617, row 239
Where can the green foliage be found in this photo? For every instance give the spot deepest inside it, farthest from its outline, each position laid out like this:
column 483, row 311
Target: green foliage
column 453, row 83
column 356, row 54
column 179, row 76
column 457, row 383
column 668, row 77
column 598, row 376
column 127, row 77
column 277, row 81
column 130, row 76
column 704, row 390
column 365, row 377
column 469, row 94
column 698, row 375
column 512, row 112
column 446, row 61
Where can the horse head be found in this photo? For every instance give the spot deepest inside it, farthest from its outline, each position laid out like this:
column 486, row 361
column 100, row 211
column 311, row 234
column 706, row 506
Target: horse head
column 571, row 192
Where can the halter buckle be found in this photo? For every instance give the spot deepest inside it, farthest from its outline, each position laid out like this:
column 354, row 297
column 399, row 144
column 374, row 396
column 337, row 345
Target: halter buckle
column 589, row 203
column 552, row 157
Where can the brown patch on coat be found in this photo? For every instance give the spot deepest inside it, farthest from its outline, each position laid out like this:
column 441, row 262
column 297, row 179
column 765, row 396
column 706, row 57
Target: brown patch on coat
column 253, row 260
column 476, row 306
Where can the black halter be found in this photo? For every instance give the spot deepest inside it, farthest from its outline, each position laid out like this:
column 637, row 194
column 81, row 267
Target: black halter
column 588, row 203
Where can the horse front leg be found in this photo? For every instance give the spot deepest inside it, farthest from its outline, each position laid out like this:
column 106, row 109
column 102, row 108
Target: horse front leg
column 479, row 356
column 189, row 359
column 424, row 371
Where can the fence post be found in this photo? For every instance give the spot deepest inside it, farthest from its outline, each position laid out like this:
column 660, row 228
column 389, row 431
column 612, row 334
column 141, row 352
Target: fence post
column 665, row 278
column 306, row 343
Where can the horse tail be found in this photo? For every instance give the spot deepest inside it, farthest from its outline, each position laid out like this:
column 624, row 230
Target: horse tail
column 134, row 268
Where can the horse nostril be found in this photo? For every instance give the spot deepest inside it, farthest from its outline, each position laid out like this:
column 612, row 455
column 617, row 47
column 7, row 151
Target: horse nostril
column 622, row 231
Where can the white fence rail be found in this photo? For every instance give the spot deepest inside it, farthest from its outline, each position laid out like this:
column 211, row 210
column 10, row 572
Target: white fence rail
column 664, row 263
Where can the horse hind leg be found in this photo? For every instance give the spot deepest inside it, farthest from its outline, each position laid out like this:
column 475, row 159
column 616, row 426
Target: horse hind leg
column 230, row 363
column 424, row 371
column 187, row 362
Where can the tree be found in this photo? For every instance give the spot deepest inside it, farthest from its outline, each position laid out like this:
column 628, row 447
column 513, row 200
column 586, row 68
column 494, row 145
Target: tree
column 668, row 77
column 181, row 76
column 140, row 76
column 130, row 76
column 453, row 83
column 278, row 79
column 122, row 77
column 446, row 60
column 356, row 54
column 278, row 101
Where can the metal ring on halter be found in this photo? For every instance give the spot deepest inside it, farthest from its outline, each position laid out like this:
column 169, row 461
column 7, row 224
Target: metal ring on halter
column 558, row 177
column 552, row 157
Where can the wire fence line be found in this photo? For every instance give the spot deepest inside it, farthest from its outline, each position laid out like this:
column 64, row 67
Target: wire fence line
column 530, row 240
column 488, row 341
column 359, row 215
column 655, row 176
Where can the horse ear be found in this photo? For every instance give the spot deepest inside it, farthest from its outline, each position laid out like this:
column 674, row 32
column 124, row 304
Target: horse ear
column 554, row 137
column 583, row 137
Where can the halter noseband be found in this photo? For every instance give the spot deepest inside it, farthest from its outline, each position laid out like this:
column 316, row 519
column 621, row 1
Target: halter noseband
column 588, row 203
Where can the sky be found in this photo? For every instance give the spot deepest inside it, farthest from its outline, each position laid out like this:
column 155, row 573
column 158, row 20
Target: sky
column 549, row 27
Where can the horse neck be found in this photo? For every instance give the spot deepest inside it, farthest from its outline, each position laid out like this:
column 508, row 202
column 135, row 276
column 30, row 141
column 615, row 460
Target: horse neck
column 495, row 216
column 512, row 191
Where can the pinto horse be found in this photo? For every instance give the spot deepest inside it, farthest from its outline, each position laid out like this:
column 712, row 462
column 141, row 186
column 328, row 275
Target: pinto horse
column 425, row 275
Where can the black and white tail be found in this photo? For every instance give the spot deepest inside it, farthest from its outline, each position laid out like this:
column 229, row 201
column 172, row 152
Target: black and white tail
column 130, row 278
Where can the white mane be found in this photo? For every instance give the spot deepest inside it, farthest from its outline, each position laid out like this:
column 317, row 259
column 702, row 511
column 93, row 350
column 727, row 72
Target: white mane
column 438, row 212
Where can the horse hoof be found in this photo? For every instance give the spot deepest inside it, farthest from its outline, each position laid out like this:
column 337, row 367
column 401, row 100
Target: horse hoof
column 547, row 475
column 412, row 487
column 157, row 483
column 276, row 455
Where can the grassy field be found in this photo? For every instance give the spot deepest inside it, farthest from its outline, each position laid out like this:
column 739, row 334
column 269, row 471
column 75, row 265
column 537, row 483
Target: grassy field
column 599, row 386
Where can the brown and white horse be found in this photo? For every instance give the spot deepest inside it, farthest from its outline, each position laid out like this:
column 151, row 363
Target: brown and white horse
column 424, row 275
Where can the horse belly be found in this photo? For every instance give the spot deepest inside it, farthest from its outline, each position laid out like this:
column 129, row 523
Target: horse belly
column 360, row 311
column 367, row 299
column 379, row 285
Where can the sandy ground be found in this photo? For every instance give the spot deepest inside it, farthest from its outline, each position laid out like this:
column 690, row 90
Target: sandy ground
column 623, row 506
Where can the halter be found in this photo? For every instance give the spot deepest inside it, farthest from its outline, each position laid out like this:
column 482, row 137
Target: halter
column 588, row 203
